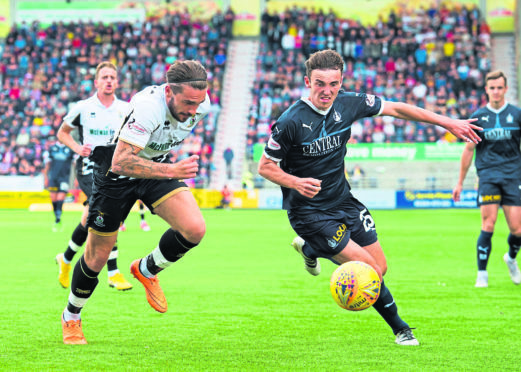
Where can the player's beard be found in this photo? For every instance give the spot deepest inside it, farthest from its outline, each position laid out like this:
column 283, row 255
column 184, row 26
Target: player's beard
column 175, row 113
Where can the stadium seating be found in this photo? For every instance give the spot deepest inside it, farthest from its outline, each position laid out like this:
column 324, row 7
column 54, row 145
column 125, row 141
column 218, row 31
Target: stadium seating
column 43, row 70
column 434, row 58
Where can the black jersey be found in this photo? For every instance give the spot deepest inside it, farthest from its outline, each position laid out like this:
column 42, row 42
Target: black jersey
column 309, row 142
column 60, row 158
column 498, row 155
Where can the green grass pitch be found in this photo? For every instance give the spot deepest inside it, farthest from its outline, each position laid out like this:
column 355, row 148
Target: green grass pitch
column 242, row 301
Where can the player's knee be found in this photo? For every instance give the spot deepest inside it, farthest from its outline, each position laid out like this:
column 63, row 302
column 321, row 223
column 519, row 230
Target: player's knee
column 97, row 252
column 488, row 223
column 95, row 261
column 383, row 268
column 488, row 226
column 196, row 233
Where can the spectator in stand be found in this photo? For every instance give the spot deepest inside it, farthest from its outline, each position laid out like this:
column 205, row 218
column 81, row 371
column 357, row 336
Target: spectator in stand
column 43, row 69
column 226, row 197
column 419, row 56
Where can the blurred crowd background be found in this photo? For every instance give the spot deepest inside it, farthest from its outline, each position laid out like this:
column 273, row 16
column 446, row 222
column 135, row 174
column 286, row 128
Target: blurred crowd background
column 435, row 58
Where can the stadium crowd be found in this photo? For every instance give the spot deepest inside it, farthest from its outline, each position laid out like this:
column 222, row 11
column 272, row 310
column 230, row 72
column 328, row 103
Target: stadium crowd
column 435, row 58
column 44, row 69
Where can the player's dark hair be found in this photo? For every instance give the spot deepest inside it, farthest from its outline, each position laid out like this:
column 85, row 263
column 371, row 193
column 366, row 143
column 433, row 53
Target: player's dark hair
column 103, row 65
column 186, row 72
column 324, row 60
column 493, row 75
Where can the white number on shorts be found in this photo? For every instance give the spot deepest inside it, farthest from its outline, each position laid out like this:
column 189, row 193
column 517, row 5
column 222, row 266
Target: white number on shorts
column 367, row 220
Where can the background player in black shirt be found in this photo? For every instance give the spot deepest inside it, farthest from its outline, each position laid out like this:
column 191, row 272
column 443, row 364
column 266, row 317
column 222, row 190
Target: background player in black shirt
column 498, row 164
column 309, row 143
column 56, row 177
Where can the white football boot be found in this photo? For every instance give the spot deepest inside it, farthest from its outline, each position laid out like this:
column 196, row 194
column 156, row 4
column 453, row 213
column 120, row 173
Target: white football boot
column 312, row 265
column 405, row 337
column 513, row 269
column 482, row 279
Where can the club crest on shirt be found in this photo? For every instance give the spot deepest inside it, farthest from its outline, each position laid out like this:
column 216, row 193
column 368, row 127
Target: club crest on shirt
column 510, row 119
column 332, row 243
column 336, row 116
column 272, row 144
column 370, row 100
column 193, row 120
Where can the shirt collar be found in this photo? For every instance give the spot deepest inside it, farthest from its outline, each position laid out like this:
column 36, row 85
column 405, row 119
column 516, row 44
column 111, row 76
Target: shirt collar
column 310, row 104
column 498, row 110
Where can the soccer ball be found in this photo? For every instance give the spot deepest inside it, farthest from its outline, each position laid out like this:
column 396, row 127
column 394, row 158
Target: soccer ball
column 355, row 286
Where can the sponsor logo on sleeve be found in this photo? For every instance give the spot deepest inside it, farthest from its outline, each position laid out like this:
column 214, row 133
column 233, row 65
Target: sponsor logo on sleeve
column 370, row 100
column 136, row 128
column 272, row 144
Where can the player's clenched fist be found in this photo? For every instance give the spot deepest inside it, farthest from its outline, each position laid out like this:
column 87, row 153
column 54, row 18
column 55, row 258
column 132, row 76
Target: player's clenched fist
column 187, row 168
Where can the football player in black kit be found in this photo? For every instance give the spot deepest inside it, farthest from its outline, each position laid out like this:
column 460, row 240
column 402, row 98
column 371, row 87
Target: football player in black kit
column 498, row 163
column 305, row 156
column 58, row 160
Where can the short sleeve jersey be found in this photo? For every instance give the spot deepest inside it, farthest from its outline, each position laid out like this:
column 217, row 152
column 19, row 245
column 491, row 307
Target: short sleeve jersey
column 60, row 158
column 498, row 155
column 151, row 127
column 96, row 124
column 309, row 142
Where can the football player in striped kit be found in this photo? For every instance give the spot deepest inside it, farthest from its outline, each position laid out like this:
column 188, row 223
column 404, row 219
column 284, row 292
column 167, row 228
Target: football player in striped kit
column 95, row 119
column 137, row 166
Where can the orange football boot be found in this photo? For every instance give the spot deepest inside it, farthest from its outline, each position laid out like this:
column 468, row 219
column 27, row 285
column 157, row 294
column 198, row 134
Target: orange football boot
column 72, row 333
column 155, row 296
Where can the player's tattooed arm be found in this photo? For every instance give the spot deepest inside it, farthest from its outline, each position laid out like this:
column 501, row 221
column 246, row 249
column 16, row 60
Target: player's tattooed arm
column 126, row 162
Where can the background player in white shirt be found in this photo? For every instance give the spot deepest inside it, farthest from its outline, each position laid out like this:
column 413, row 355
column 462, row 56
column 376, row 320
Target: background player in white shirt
column 138, row 167
column 96, row 119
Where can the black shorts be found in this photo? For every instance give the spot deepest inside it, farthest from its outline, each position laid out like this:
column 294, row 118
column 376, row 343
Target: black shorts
column 502, row 192
column 112, row 200
column 85, row 182
column 328, row 232
column 60, row 184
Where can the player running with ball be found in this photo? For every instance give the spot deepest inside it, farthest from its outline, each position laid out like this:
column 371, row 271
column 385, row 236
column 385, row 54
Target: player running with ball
column 305, row 156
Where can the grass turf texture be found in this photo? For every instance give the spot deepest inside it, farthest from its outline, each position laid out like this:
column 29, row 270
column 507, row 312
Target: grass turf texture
column 242, row 300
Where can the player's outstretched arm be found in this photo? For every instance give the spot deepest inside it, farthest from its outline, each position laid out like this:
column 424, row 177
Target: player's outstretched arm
column 126, row 162
column 463, row 129
column 308, row 187
column 466, row 161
